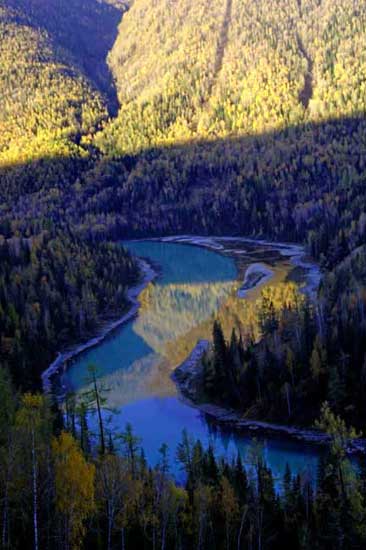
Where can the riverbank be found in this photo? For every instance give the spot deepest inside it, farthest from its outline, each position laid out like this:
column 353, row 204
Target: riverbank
column 295, row 253
column 188, row 379
column 59, row 365
column 149, row 273
column 256, row 274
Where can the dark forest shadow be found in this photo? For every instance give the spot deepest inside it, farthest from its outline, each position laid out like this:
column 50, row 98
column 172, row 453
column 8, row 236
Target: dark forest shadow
column 283, row 185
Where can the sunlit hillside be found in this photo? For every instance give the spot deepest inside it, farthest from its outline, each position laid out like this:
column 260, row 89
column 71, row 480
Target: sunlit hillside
column 201, row 69
column 55, row 85
column 47, row 103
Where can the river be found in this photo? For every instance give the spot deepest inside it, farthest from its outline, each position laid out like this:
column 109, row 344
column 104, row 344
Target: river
column 197, row 281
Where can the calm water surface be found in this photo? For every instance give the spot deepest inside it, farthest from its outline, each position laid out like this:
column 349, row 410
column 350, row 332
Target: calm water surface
column 135, row 362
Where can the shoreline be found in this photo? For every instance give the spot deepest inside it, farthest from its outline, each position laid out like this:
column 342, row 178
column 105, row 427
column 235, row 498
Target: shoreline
column 296, row 254
column 257, row 274
column 187, row 377
column 186, row 373
column 59, row 365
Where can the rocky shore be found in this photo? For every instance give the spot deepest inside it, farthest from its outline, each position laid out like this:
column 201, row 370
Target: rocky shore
column 295, row 253
column 188, row 378
column 60, row 363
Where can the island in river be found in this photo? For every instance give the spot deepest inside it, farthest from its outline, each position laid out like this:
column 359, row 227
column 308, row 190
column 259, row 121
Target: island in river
column 197, row 280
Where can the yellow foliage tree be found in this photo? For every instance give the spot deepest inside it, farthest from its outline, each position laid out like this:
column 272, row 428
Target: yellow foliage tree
column 74, row 482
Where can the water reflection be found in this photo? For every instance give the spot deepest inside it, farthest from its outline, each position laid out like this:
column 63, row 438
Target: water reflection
column 136, row 361
column 170, row 311
column 194, row 286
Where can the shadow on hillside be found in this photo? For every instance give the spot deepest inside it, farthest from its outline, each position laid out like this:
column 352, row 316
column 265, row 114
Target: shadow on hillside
column 282, row 185
column 85, row 28
column 277, row 184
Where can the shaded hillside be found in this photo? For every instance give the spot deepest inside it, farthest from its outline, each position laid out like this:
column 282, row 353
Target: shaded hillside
column 304, row 183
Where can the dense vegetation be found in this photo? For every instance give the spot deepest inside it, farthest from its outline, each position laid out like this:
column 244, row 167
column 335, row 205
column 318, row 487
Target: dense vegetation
column 207, row 69
column 237, row 117
column 76, row 28
column 303, row 182
column 307, row 354
column 56, row 494
column 54, row 286
column 35, row 124
column 54, row 290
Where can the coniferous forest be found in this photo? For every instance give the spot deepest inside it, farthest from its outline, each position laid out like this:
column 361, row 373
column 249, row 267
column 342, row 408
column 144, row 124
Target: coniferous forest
column 146, row 119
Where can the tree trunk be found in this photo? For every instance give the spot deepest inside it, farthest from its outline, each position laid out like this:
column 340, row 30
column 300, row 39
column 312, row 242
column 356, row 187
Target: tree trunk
column 110, row 522
column 5, row 531
column 242, row 526
column 288, row 399
column 34, row 488
column 100, row 419
column 5, row 519
column 163, row 536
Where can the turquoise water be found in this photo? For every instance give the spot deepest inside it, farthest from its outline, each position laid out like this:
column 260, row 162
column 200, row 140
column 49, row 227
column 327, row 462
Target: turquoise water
column 135, row 362
column 185, row 263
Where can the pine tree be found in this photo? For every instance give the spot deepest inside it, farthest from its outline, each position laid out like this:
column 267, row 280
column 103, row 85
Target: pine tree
column 131, row 445
column 336, row 390
column 220, row 361
column 94, row 401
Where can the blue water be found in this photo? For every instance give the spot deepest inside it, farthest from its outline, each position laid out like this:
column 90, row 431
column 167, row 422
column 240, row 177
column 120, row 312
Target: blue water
column 182, row 263
column 135, row 362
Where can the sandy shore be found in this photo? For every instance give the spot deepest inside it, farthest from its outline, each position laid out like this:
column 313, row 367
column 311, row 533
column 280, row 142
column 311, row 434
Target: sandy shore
column 256, row 274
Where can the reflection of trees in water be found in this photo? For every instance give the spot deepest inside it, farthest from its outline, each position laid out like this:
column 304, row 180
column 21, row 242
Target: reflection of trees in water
column 242, row 314
column 174, row 317
column 169, row 312
column 147, row 376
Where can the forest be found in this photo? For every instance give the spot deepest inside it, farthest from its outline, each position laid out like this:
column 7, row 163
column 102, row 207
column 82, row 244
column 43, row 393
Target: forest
column 56, row 492
column 55, row 288
column 209, row 69
column 233, row 118
column 35, row 124
column 305, row 355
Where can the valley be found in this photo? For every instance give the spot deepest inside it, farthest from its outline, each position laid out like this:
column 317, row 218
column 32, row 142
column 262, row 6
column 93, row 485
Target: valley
column 154, row 159
column 197, row 280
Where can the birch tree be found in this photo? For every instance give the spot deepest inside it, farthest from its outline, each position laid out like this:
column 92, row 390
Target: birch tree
column 74, row 488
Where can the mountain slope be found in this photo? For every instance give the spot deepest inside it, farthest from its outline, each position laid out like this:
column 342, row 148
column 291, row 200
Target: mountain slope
column 186, row 70
column 87, row 29
column 55, row 84
column 47, row 103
